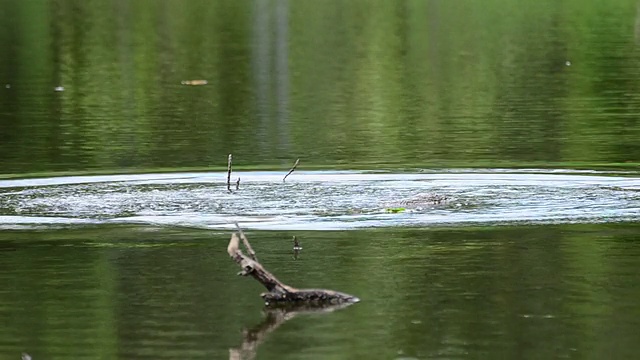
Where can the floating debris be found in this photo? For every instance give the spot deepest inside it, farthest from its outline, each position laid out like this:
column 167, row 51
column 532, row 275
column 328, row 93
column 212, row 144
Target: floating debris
column 58, row 88
column 8, row 86
column 395, row 210
column 568, row 63
column 194, row 82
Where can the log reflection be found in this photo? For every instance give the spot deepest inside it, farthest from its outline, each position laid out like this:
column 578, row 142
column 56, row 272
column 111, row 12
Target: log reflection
column 274, row 317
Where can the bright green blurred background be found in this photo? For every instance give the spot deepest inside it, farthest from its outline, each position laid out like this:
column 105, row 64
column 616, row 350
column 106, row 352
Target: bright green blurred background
column 362, row 84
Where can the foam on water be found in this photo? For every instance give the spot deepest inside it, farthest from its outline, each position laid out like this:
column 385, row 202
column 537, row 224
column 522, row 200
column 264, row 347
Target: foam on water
column 322, row 200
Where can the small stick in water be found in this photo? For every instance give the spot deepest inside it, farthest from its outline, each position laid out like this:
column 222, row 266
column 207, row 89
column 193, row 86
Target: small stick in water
column 238, row 184
column 292, row 169
column 296, row 248
column 229, row 173
column 296, row 244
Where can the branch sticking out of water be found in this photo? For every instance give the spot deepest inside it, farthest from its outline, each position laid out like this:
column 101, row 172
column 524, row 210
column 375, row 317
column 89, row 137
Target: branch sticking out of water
column 245, row 241
column 278, row 293
column 296, row 247
column 292, row 169
column 238, row 184
column 229, row 173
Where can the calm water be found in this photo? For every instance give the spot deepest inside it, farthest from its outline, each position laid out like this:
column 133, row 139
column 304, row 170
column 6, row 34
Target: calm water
column 524, row 114
column 114, row 267
column 106, row 292
column 364, row 84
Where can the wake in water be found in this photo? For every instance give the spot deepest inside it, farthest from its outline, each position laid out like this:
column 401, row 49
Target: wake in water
column 322, row 200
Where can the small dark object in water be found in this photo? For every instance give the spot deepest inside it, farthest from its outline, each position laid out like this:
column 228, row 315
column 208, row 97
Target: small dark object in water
column 238, row 184
column 296, row 244
column 229, row 161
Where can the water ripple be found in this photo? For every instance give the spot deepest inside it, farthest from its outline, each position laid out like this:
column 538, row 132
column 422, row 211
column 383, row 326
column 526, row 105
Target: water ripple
column 322, row 200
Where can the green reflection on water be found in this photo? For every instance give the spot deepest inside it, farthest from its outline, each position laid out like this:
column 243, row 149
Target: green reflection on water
column 490, row 292
column 339, row 84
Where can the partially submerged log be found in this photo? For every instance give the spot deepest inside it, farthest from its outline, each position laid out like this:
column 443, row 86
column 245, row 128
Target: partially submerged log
column 278, row 293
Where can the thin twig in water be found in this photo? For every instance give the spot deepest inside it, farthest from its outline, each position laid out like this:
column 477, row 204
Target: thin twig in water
column 296, row 248
column 292, row 169
column 296, row 244
column 238, row 184
column 229, row 173
column 245, row 241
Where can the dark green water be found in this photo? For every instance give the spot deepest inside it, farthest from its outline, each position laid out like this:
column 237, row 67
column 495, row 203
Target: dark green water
column 566, row 291
column 451, row 97
column 337, row 83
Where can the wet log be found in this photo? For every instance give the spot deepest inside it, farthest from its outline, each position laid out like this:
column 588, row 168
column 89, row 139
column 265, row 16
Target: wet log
column 279, row 293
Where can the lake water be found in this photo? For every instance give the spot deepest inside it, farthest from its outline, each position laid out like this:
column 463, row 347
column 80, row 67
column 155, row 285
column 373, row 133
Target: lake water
column 516, row 264
column 323, row 200
column 116, row 119
column 145, row 292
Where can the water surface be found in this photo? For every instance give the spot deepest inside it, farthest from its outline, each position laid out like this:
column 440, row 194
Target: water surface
column 492, row 104
column 323, row 200
column 337, row 83
column 526, row 263
column 115, row 291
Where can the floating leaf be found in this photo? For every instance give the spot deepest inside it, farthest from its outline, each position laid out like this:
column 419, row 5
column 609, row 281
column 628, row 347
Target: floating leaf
column 194, row 82
column 395, row 210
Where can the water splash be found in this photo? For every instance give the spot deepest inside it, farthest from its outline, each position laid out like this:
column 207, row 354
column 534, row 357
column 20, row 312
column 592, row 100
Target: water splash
column 322, row 200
